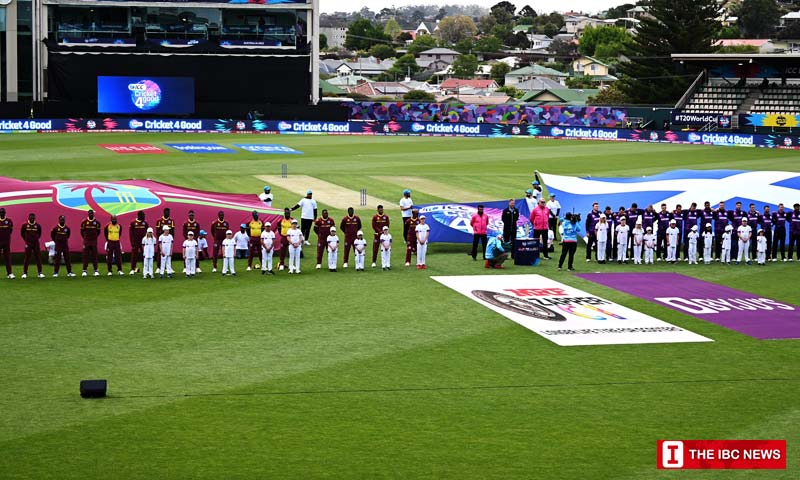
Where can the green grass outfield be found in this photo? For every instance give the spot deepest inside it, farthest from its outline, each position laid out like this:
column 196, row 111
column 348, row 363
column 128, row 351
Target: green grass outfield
column 373, row 375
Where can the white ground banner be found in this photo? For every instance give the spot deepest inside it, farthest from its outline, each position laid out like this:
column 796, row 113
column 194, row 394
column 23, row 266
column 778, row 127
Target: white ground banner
column 563, row 314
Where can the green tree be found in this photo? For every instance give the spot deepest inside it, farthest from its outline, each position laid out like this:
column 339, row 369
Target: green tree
column 404, row 37
column 603, row 35
column 419, row 96
column 732, row 31
column 422, row 43
column 464, row 66
column 563, row 50
column 511, row 91
column 550, row 29
column 672, row 26
column 323, row 41
column 456, row 28
column 465, row 45
column 405, row 65
column 527, row 12
column 363, row 34
column 392, row 28
column 499, row 71
column 382, row 51
column 503, row 12
column 620, row 11
column 488, row 44
column 486, row 23
column 738, row 49
column 758, row 18
column 612, row 95
column 790, row 32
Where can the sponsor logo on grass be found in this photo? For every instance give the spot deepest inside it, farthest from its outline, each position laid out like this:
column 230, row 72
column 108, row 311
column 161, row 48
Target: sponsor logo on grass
column 267, row 148
column 754, row 315
column 200, row 148
column 721, row 454
column 563, row 314
column 132, row 148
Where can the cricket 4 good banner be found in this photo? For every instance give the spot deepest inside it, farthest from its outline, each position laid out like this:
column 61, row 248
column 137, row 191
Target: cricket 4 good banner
column 563, row 314
column 753, row 315
column 124, row 198
column 450, row 222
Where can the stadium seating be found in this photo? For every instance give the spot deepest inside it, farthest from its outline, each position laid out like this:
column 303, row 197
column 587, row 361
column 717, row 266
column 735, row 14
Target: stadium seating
column 722, row 99
column 782, row 99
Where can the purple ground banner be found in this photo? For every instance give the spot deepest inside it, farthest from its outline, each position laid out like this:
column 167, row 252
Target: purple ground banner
column 747, row 313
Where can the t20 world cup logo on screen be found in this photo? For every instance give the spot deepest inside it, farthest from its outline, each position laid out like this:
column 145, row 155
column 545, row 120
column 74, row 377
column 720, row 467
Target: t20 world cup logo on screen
column 145, row 94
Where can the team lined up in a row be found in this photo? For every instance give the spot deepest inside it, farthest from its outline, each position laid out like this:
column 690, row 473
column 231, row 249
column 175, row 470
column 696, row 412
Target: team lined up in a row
column 742, row 226
column 262, row 242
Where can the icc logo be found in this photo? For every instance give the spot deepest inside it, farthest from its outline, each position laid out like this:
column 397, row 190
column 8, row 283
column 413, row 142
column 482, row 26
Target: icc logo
column 113, row 198
column 671, row 454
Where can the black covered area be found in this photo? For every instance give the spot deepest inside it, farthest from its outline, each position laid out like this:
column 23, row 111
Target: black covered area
column 222, row 82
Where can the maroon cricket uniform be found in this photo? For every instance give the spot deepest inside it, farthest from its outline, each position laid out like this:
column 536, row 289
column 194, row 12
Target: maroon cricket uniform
column 378, row 222
column 60, row 235
column 322, row 227
column 350, row 226
column 31, row 233
column 6, row 227
column 90, row 231
column 160, row 226
column 137, row 231
column 191, row 226
column 218, row 229
column 411, row 239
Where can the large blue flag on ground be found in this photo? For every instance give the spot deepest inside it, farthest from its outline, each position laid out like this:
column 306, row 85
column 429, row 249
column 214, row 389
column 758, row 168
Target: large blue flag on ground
column 450, row 222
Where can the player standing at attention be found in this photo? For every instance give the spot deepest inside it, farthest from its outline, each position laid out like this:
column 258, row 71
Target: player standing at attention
column 254, row 228
column 165, row 242
column 60, row 235
column 692, row 241
column 411, row 239
column 360, row 250
column 6, row 228
column 148, row 252
column 779, row 219
column 191, row 225
column 190, row 255
column 228, row 252
column 332, row 242
column 219, row 227
column 708, row 243
column 379, row 220
column 422, row 233
column 113, row 234
column 136, row 232
column 350, row 225
column 322, row 227
column 743, row 233
column 601, row 233
column 672, row 234
column 286, row 224
column 386, row 249
column 267, row 249
column 266, row 197
column 295, row 238
column 406, row 209
column 167, row 220
column 90, row 230
column 308, row 212
column 622, row 232
column 637, row 238
column 31, row 233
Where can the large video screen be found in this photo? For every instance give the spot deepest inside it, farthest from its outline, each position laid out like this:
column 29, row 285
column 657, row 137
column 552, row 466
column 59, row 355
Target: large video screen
column 150, row 95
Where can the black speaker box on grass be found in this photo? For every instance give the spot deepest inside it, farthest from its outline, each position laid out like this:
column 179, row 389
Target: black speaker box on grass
column 93, row 388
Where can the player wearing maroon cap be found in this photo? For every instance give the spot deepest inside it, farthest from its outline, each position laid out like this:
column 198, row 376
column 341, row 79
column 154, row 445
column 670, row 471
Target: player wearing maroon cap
column 322, row 227
column 60, row 236
column 90, row 230
column 379, row 220
column 191, row 225
column 113, row 234
column 31, row 233
column 6, row 227
column 136, row 232
column 218, row 229
column 411, row 237
column 350, row 225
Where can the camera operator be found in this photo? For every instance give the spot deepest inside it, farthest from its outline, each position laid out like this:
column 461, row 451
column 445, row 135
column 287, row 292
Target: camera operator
column 571, row 225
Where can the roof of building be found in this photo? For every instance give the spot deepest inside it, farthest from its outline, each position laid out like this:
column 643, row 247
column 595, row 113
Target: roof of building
column 439, row 51
column 538, row 83
column 452, row 83
column 475, row 99
column 536, row 70
column 348, row 80
column 792, row 16
column 568, row 96
column 735, row 42
column 330, row 89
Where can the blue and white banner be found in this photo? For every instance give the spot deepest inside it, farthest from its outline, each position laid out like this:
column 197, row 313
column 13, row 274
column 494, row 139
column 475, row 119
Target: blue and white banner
column 450, row 222
column 267, row 148
column 677, row 187
column 200, row 148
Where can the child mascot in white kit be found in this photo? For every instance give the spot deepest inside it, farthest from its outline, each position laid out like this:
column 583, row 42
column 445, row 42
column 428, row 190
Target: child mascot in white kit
column 386, row 249
column 333, row 250
column 148, row 252
column 726, row 245
column 228, row 253
column 601, row 230
column 190, row 255
column 621, row 232
column 165, row 242
column 267, row 249
column 649, row 245
column 637, row 236
column 708, row 243
column 693, row 236
column 360, row 248
column 672, row 241
column 761, row 248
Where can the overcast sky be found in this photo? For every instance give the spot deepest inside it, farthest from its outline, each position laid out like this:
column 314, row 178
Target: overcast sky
column 586, row 6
